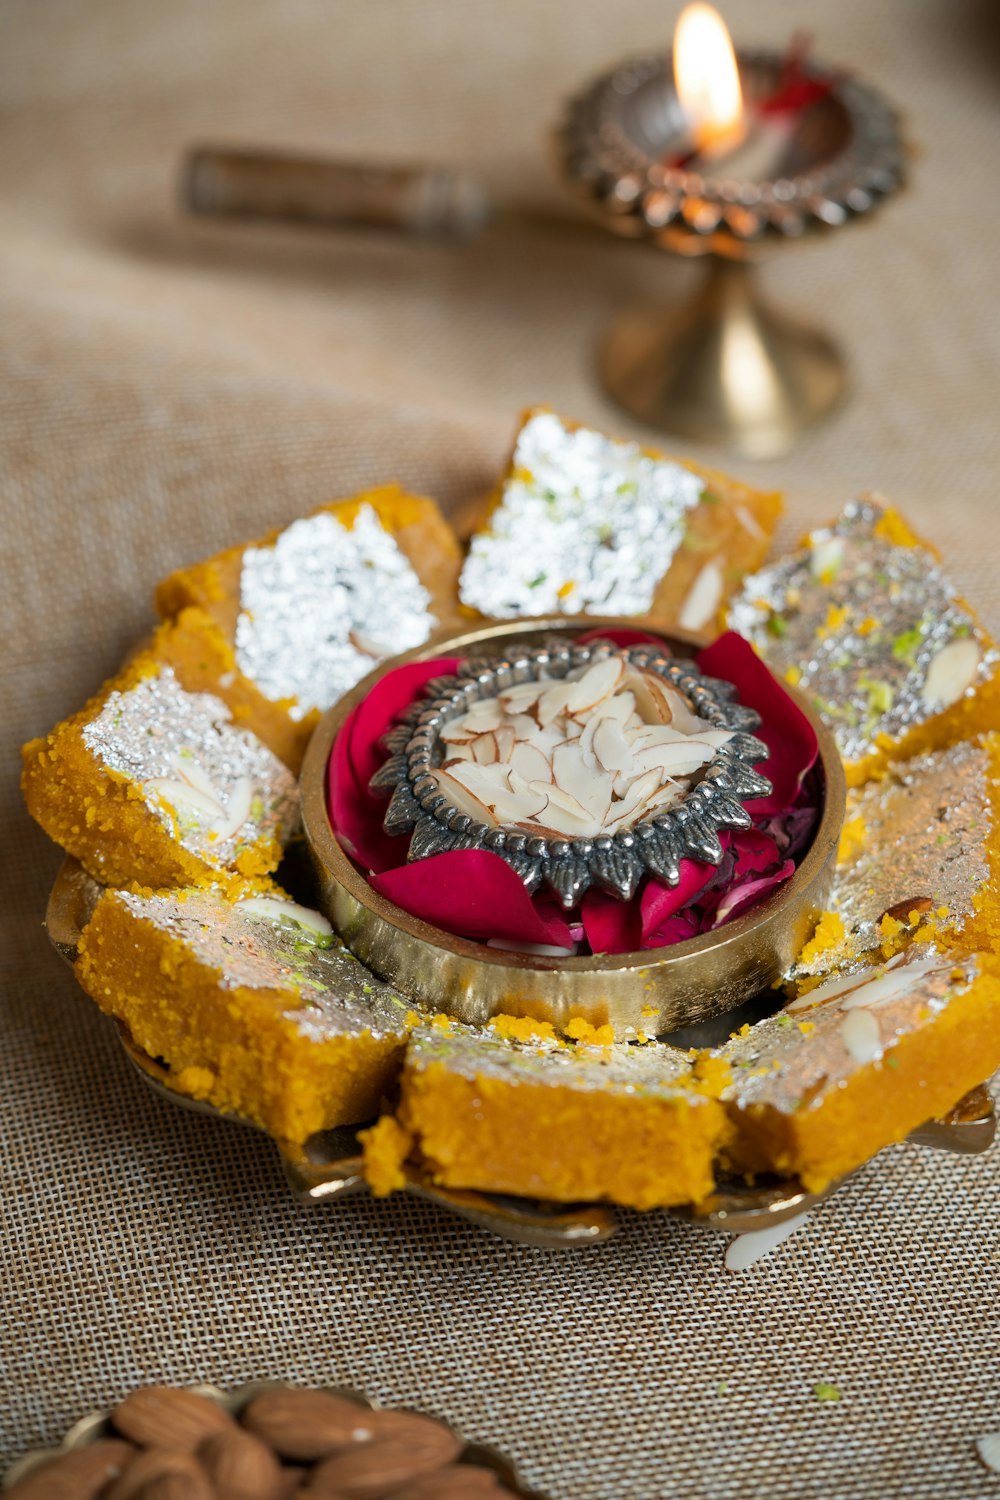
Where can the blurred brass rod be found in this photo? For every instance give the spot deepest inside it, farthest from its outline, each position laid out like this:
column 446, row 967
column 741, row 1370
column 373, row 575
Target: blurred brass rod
column 426, row 202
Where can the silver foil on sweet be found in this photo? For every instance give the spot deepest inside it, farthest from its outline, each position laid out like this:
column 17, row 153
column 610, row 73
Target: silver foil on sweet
column 157, row 732
column 585, row 525
column 648, row 1069
column 925, row 828
column 799, row 1058
column 858, row 620
column 330, row 993
column 322, row 605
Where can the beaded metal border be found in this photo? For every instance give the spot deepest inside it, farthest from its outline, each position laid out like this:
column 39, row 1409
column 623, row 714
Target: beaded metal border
column 601, row 142
column 615, row 862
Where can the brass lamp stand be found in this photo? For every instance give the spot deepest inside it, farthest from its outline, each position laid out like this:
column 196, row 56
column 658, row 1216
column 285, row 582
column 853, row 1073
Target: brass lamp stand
column 725, row 367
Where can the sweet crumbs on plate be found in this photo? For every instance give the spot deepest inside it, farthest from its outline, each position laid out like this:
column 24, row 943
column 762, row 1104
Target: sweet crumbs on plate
column 865, row 622
column 154, row 783
column 513, row 1108
column 250, row 1000
column 309, row 610
column 582, row 524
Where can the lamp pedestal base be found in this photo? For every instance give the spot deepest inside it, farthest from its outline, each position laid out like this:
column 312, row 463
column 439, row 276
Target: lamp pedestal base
column 724, row 369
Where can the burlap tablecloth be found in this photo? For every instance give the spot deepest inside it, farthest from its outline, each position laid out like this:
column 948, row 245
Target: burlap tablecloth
column 168, row 388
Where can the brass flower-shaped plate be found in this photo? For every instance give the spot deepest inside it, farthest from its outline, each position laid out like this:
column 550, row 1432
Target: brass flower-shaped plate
column 328, row 1165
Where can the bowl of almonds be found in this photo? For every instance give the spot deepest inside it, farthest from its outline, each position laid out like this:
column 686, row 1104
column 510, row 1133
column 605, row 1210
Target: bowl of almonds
column 491, row 816
column 267, row 1441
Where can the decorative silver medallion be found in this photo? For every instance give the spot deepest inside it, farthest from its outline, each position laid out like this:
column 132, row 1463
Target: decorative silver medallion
column 578, row 765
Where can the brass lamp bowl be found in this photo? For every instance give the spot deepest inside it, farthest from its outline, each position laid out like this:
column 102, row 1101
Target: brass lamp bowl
column 655, row 991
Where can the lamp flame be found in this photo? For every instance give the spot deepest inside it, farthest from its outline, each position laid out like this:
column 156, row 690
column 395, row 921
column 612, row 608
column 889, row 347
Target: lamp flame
column 707, row 78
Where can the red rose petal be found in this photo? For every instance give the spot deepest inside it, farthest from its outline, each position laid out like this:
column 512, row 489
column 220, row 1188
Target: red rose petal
column 659, row 901
column 356, row 813
column 473, row 893
column 785, row 730
column 611, row 926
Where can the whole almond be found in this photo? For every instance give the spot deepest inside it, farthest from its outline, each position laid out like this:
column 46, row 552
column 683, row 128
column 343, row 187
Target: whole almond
column 307, row 1424
column 900, row 910
column 405, row 1447
column 78, row 1475
column 454, row 1482
column 177, row 1486
column 158, row 1417
column 149, row 1465
column 240, row 1466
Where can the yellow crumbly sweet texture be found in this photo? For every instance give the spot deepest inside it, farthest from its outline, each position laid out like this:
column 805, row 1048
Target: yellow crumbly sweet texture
column 731, row 527
column 213, row 587
column 98, row 814
column 510, row 1132
column 235, row 1048
column 920, row 1077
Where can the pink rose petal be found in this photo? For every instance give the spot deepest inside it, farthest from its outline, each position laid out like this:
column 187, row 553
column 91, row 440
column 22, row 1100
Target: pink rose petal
column 474, row 894
column 784, row 728
column 676, row 929
column 740, row 898
column 756, row 852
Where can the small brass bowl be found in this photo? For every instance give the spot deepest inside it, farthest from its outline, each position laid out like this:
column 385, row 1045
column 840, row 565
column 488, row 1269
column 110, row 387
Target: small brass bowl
column 656, row 991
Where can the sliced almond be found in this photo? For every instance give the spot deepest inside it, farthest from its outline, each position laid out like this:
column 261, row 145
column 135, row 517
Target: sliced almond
column 679, row 759
column 565, row 814
column 182, row 797
column 683, row 716
column 484, row 749
column 951, row 673
column 704, row 598
column 554, row 702
column 505, row 741
column 860, row 1034
column 484, row 715
column 191, row 771
column 529, row 762
column 590, row 788
column 278, row 911
column 237, row 808
column 463, row 799
column 744, row 1250
column 664, row 797
column 597, row 683
column 523, row 725
column 650, row 700
column 633, row 804
column 749, row 522
column 456, row 733
column 521, row 698
column 826, row 557
column 611, row 747
column 988, row 1448
column 517, row 802
column 890, row 986
column 368, row 645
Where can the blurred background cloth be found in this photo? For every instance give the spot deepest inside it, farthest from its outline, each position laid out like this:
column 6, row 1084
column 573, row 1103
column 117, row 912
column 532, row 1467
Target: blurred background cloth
column 168, row 387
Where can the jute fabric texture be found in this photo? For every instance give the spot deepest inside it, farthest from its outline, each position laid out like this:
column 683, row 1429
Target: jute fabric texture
column 167, row 388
